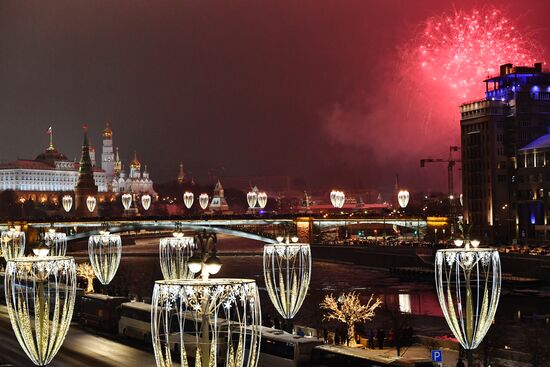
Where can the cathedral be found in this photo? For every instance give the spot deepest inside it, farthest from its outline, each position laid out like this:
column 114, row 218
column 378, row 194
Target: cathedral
column 51, row 173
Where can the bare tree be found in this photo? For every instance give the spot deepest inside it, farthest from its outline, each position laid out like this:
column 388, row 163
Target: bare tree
column 85, row 270
column 348, row 309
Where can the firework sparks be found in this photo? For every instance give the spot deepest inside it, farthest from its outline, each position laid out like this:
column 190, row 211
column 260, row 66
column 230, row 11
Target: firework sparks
column 459, row 50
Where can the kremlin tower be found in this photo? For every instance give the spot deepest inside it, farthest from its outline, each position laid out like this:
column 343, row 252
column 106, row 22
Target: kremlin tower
column 181, row 175
column 85, row 186
column 107, row 155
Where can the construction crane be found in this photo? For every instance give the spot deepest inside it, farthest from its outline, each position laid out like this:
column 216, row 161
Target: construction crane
column 451, row 162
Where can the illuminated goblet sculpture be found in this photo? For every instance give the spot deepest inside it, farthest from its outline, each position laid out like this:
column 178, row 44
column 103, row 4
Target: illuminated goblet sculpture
column 174, row 254
column 251, row 199
column 337, row 198
column 105, row 250
column 146, row 201
column 57, row 242
column 403, row 198
column 188, row 199
column 40, row 297
column 211, row 322
column 13, row 243
column 90, row 203
column 468, row 287
column 262, row 199
column 203, row 201
column 126, row 201
column 67, row 202
column 287, row 272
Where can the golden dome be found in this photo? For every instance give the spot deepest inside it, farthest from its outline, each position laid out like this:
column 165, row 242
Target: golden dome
column 135, row 163
column 107, row 133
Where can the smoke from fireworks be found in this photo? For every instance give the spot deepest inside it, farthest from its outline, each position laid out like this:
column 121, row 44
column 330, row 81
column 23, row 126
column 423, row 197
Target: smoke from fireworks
column 461, row 49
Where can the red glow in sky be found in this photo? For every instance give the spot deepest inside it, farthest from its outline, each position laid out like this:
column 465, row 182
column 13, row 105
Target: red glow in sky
column 458, row 50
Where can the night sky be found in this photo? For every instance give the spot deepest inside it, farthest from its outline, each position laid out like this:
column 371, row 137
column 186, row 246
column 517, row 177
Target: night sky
column 310, row 89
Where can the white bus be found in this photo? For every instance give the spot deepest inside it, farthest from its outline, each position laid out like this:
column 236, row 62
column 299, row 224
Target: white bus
column 281, row 349
column 135, row 321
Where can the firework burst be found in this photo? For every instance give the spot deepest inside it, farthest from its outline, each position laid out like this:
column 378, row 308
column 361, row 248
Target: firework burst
column 461, row 49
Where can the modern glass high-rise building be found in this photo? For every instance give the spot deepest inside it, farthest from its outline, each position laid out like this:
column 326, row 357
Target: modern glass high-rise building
column 506, row 157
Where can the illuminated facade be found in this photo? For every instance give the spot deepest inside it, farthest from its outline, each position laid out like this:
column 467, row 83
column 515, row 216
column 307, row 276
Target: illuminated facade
column 137, row 182
column 502, row 179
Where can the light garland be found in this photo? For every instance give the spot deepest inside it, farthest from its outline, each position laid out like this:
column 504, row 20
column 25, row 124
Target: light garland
column 104, row 251
column 214, row 322
column 40, row 297
column 287, row 273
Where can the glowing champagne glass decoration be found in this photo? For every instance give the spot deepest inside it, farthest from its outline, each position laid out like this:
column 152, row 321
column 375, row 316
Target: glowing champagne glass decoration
column 40, row 298
column 262, row 199
column 468, row 288
column 91, row 203
column 203, row 201
column 251, row 199
column 56, row 241
column 403, row 198
column 146, row 201
column 67, row 202
column 127, row 201
column 287, row 273
column 215, row 322
column 337, row 198
column 104, row 251
column 13, row 243
column 188, row 199
column 174, row 254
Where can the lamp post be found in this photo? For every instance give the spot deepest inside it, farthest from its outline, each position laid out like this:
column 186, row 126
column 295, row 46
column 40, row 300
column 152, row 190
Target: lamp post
column 287, row 273
column 205, row 263
column 468, row 283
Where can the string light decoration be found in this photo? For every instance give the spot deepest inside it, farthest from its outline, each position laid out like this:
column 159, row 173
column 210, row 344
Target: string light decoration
column 146, row 201
column 262, row 199
column 56, row 241
column 67, row 202
column 403, row 198
column 203, row 201
column 213, row 322
column 40, row 297
column 104, row 251
column 188, row 199
column 126, row 201
column 468, row 288
column 252, row 199
column 337, row 198
column 90, row 203
column 174, row 254
column 13, row 243
column 287, row 273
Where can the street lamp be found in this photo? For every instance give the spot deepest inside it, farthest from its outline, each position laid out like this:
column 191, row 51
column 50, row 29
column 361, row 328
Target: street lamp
column 40, row 297
column 468, row 282
column 146, row 201
column 205, row 263
column 90, row 203
column 13, row 243
column 104, row 251
column 287, row 273
column 174, row 255
column 403, row 198
column 188, row 199
column 67, row 202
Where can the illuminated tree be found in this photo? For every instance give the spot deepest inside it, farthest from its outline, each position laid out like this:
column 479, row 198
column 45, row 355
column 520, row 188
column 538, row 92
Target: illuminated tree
column 85, row 270
column 348, row 309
